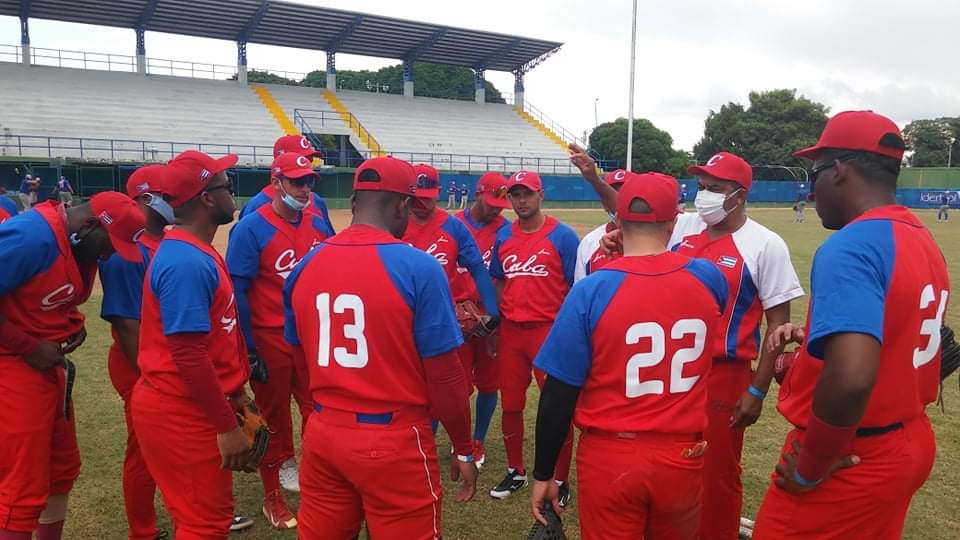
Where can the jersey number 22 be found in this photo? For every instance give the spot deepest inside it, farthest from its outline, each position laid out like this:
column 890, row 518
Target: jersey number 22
column 654, row 331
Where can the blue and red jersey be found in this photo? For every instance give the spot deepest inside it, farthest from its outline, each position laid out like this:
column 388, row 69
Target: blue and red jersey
column 265, row 197
column 641, row 365
column 41, row 283
column 366, row 309
column 188, row 290
column 263, row 250
column 8, row 208
column 464, row 288
column 884, row 276
column 122, row 282
column 760, row 275
column 537, row 269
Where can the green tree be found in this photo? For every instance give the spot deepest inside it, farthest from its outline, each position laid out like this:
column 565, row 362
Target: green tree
column 430, row 80
column 768, row 131
column 930, row 142
column 652, row 147
column 255, row 76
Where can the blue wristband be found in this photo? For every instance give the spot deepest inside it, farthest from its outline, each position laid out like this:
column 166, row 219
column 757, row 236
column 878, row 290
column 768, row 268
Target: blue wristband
column 756, row 392
column 803, row 481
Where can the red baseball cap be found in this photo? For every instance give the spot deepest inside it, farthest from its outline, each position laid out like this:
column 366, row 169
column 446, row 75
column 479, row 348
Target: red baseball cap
column 616, row 177
column 428, row 181
column 386, row 174
column 660, row 191
column 146, row 179
column 188, row 174
column 122, row 219
column 866, row 131
column 292, row 166
column 528, row 179
column 726, row 166
column 295, row 144
column 493, row 187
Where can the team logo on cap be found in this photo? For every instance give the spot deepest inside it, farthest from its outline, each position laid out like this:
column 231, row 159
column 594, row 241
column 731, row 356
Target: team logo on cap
column 204, row 175
column 714, row 160
column 619, row 175
column 304, row 143
column 520, row 176
column 105, row 218
column 136, row 236
column 143, row 188
column 277, row 170
column 302, row 161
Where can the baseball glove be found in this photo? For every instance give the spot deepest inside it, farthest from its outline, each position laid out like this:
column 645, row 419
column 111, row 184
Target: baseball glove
column 949, row 352
column 554, row 529
column 255, row 428
column 782, row 364
column 470, row 316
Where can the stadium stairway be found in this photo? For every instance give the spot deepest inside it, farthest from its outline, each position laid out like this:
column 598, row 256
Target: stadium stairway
column 541, row 127
column 360, row 133
column 275, row 109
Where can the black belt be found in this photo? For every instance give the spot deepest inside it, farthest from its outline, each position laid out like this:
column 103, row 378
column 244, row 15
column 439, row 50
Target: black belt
column 874, row 431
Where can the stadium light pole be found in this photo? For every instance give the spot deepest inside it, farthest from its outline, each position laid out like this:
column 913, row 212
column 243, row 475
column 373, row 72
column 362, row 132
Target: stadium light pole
column 950, row 152
column 596, row 121
column 633, row 63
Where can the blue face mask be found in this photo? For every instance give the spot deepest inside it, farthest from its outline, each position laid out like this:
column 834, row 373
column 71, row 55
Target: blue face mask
column 161, row 207
column 291, row 203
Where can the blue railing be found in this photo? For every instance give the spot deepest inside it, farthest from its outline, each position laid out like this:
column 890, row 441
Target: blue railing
column 119, row 150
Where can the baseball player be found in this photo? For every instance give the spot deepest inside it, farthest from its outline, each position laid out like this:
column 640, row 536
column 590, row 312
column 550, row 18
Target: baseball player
column 534, row 262
column 290, row 144
column 451, row 195
column 49, row 256
column 191, row 355
column 636, row 375
column 464, row 193
column 122, row 283
column 484, row 222
column 589, row 247
column 375, row 319
column 756, row 263
column 870, row 361
column 8, row 208
column 264, row 248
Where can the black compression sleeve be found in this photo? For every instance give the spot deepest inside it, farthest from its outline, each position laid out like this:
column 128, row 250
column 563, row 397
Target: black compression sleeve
column 557, row 403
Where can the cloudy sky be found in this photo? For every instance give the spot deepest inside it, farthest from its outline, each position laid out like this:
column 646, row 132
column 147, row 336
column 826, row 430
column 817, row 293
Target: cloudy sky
column 898, row 58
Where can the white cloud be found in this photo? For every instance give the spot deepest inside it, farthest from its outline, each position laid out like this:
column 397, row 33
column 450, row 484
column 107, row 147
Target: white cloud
column 692, row 55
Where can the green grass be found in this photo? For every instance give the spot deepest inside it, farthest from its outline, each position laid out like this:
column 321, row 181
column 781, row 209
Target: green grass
column 96, row 505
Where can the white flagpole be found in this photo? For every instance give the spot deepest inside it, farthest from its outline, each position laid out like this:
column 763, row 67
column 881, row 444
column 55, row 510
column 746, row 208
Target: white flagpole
column 633, row 64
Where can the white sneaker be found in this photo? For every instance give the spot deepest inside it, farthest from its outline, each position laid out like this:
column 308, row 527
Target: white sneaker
column 290, row 475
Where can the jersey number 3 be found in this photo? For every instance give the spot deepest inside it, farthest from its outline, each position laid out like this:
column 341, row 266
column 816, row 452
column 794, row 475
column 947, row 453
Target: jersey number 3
column 930, row 327
column 652, row 330
column 341, row 355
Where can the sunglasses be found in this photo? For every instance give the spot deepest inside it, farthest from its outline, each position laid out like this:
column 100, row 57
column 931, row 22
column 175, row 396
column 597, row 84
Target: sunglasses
column 227, row 186
column 814, row 173
column 307, row 181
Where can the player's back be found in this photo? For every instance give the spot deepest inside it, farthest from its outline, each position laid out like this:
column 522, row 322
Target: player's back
column 649, row 320
column 892, row 283
column 367, row 308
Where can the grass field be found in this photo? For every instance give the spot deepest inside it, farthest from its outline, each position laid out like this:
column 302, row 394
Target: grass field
column 96, row 505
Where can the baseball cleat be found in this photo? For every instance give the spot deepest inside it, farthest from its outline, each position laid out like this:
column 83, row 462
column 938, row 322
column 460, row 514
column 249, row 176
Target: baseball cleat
column 512, row 482
column 290, row 475
column 240, row 523
column 276, row 511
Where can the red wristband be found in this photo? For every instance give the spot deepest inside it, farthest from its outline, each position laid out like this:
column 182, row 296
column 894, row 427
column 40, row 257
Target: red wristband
column 824, row 444
column 16, row 340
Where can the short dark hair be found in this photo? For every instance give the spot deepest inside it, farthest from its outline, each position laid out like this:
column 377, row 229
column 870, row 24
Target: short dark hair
column 377, row 199
column 874, row 168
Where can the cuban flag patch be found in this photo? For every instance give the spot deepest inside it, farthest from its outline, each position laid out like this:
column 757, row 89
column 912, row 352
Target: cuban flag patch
column 729, row 262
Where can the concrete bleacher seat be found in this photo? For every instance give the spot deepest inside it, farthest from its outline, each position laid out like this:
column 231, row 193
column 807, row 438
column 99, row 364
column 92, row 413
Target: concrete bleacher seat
column 59, row 102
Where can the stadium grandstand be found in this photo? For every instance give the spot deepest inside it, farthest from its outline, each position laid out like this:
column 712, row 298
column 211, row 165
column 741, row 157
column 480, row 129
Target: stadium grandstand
column 139, row 109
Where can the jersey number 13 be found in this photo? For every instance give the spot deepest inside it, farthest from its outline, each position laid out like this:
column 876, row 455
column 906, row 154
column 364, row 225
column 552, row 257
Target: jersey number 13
column 341, row 355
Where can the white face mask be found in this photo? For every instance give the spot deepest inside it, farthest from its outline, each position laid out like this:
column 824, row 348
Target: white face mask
column 710, row 206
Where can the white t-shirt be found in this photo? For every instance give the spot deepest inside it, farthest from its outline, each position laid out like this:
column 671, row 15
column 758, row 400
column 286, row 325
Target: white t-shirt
column 588, row 246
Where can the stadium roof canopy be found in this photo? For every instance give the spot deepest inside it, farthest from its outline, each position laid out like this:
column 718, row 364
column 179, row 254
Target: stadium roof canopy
column 300, row 26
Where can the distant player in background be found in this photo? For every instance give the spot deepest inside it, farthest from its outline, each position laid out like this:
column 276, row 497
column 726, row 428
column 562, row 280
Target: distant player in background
column 65, row 191
column 464, row 194
column 534, row 261
column 289, row 144
column 192, row 358
column 375, row 319
column 800, row 207
column 264, row 248
column 943, row 214
column 484, row 222
column 122, row 283
column 452, row 195
column 640, row 457
column 28, row 191
column 870, row 361
column 8, row 208
column 50, row 256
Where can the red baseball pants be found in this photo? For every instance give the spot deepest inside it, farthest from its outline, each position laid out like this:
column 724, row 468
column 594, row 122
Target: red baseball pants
column 648, row 487
column 39, row 455
column 518, row 346
column 138, row 486
column 180, row 448
column 288, row 377
column 868, row 500
column 479, row 367
column 385, row 473
column 722, row 487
